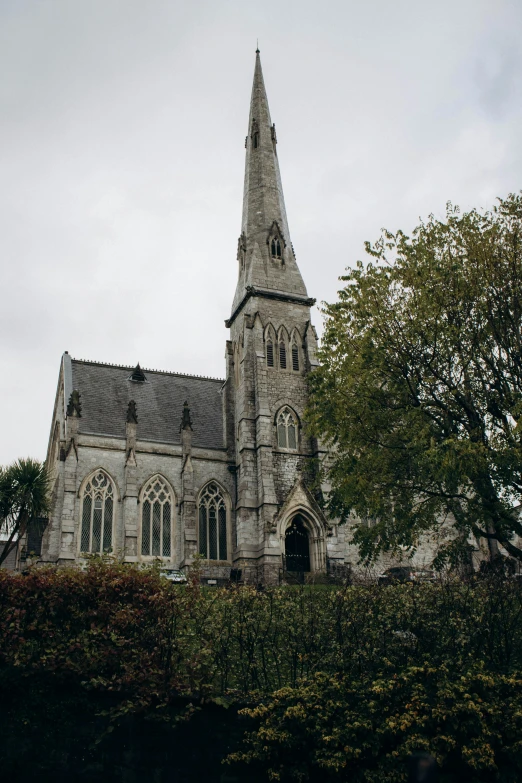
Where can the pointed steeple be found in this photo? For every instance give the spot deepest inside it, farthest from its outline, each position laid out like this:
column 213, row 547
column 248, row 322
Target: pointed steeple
column 265, row 253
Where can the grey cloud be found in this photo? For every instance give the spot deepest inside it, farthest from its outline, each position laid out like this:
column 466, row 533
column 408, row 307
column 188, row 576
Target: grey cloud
column 121, row 162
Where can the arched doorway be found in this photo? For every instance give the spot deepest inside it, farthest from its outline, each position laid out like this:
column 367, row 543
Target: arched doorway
column 297, row 546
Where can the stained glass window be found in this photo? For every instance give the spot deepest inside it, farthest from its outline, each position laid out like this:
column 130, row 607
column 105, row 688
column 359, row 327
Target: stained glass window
column 213, row 523
column 97, row 514
column 156, row 519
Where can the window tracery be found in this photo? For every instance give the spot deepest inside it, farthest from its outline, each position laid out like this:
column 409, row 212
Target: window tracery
column 276, row 242
column 213, row 523
column 156, row 519
column 275, row 248
column 97, row 514
column 286, row 429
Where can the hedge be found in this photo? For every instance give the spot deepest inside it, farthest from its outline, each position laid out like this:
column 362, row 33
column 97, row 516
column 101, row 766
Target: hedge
column 105, row 669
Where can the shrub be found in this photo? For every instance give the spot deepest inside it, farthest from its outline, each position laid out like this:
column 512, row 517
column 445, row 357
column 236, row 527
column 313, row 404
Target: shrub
column 88, row 657
column 332, row 728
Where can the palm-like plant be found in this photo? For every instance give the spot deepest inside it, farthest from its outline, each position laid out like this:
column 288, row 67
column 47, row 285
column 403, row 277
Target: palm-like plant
column 24, row 495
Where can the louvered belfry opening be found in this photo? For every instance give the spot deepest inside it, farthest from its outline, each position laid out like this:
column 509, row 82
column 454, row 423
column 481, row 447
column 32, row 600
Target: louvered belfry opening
column 297, row 546
column 295, row 358
column 270, row 353
column 282, row 355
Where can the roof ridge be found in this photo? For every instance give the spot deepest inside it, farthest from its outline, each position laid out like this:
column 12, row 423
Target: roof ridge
column 147, row 369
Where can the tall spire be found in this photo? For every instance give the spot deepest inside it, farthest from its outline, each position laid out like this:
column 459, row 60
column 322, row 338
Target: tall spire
column 265, row 253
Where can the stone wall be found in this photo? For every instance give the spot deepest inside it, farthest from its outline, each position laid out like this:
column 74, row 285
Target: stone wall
column 110, row 454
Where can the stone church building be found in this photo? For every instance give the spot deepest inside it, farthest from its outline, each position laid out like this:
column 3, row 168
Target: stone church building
column 152, row 464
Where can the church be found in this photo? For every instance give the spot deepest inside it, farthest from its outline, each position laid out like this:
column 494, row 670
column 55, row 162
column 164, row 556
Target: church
column 159, row 465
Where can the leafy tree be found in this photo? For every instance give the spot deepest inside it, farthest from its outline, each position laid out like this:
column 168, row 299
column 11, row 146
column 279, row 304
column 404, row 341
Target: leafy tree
column 24, row 495
column 420, row 390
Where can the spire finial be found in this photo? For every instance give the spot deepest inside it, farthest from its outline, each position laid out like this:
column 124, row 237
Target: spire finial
column 74, row 406
column 132, row 413
column 257, row 46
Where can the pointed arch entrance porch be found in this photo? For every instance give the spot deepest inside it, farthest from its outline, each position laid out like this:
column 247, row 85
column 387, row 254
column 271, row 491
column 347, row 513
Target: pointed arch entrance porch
column 302, row 540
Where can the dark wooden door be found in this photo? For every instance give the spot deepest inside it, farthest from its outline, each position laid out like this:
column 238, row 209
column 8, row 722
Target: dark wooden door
column 297, row 547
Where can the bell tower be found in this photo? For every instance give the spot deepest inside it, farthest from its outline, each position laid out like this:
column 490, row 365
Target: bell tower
column 271, row 350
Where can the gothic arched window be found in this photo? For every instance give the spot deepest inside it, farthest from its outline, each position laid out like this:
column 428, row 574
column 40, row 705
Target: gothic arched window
column 282, row 354
column 156, row 519
column 286, row 429
column 270, row 353
column 97, row 514
column 295, row 358
column 275, row 248
column 212, row 523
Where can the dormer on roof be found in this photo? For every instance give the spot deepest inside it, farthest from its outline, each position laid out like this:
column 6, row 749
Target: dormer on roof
column 137, row 375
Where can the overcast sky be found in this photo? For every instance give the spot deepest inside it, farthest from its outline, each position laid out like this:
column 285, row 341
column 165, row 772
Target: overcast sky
column 122, row 152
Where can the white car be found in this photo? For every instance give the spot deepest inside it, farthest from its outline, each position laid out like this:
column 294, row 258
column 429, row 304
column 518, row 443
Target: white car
column 174, row 575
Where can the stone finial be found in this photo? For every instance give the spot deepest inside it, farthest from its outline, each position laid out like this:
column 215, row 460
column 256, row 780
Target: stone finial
column 138, row 375
column 74, row 406
column 132, row 413
column 186, row 421
column 241, row 247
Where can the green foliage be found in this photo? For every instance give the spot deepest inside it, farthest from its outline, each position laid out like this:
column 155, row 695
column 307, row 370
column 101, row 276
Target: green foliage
column 120, row 630
column 363, row 730
column 24, row 495
column 345, row 681
column 420, row 389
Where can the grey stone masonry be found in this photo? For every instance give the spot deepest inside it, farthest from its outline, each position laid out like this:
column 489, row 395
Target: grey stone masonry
column 264, row 213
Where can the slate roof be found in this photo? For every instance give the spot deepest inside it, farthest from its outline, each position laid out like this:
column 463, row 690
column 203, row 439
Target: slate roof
column 106, row 390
